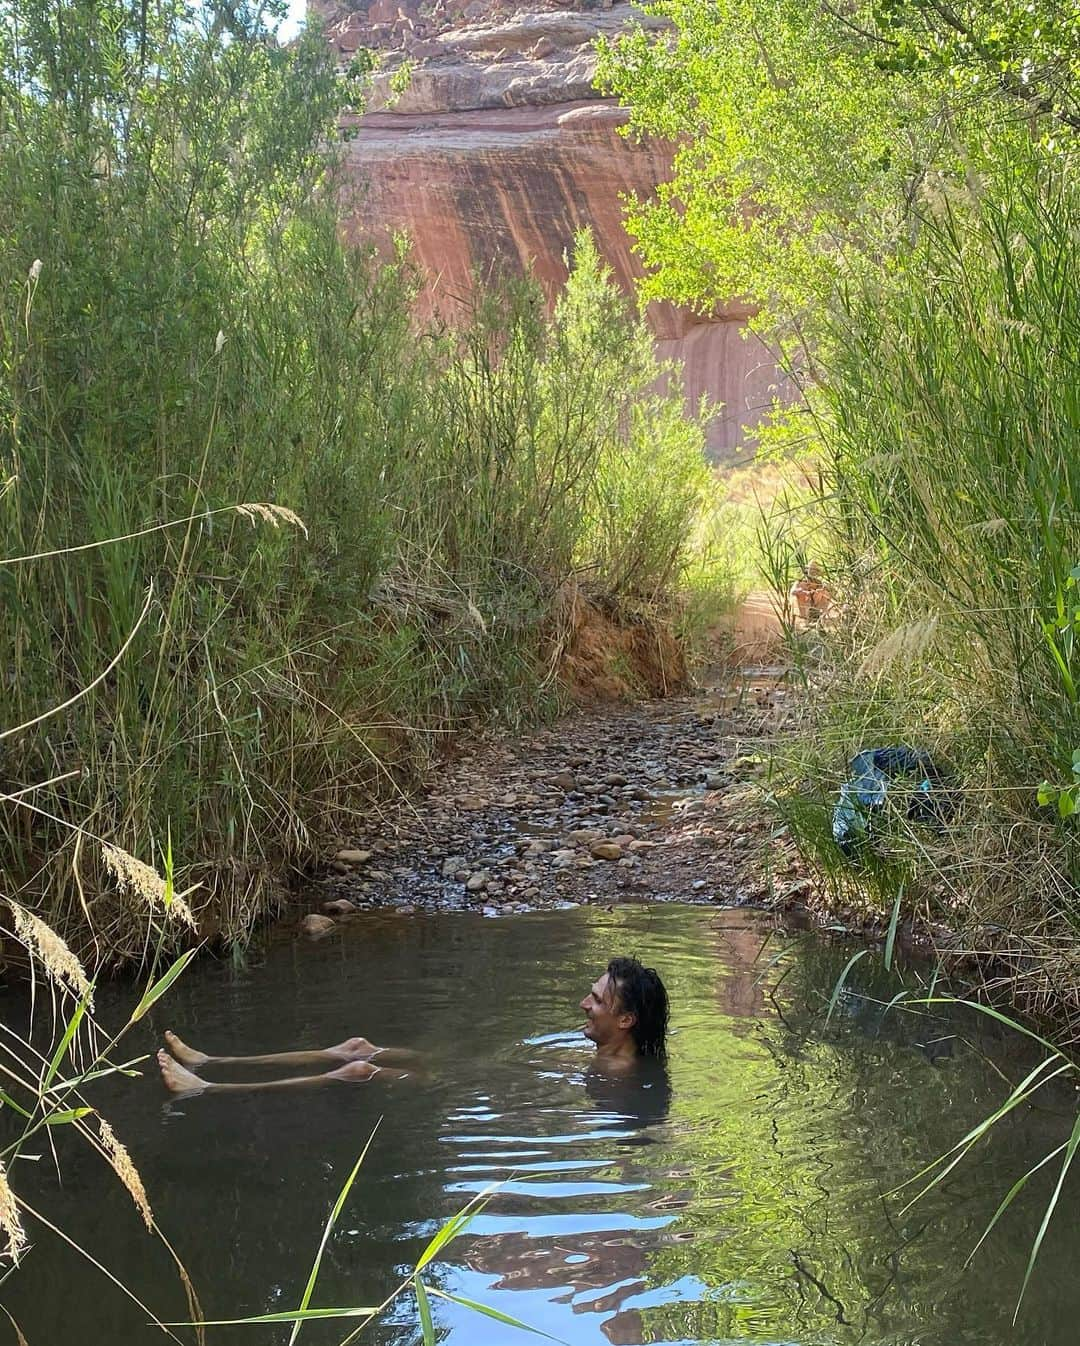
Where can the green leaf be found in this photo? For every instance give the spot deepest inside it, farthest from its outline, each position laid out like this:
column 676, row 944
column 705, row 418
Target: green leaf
column 838, row 989
column 287, row 1316
column 489, row 1312
column 1047, row 793
column 1066, row 804
column 456, row 1224
column 77, row 1081
column 67, row 1115
column 1008, row 1199
column 8, row 1101
column 890, row 937
column 335, row 1212
column 65, row 1042
column 157, row 990
column 1051, row 1205
column 1029, row 1085
column 427, row 1326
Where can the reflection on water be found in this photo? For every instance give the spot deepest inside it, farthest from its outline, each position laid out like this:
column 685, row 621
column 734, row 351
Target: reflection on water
column 738, row 1195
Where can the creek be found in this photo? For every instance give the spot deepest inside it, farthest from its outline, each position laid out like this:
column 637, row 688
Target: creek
column 741, row 1196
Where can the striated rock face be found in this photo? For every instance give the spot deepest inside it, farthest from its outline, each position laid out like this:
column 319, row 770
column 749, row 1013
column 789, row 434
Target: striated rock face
column 500, row 151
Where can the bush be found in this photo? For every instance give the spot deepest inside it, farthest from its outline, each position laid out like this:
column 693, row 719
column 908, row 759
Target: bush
column 949, row 420
column 322, row 538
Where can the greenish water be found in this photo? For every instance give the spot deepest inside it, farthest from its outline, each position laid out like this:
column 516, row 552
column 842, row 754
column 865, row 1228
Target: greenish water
column 739, row 1198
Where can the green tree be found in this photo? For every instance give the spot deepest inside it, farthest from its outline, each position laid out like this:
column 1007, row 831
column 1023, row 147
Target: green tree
column 810, row 135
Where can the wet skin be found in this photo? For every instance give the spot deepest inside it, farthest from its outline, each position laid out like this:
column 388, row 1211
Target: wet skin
column 607, row 1025
column 352, row 1062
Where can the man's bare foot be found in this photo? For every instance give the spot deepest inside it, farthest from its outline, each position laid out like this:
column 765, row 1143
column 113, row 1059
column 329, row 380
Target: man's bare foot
column 177, row 1079
column 187, row 1056
column 354, row 1049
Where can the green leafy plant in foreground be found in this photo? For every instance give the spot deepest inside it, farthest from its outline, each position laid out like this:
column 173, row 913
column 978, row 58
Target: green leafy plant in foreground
column 1066, row 798
column 1054, row 1064
column 414, row 1283
column 43, row 1093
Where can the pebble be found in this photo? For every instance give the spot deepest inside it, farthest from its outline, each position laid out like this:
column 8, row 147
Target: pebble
column 617, row 804
column 339, row 906
column 315, row 926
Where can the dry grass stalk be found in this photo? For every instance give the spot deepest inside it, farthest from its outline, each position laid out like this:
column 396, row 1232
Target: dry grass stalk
column 906, row 642
column 20, row 1339
column 272, row 514
column 133, row 876
column 988, row 527
column 10, row 1224
column 125, row 1170
column 52, row 952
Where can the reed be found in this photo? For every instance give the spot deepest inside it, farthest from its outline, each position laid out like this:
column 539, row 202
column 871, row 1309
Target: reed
column 269, row 540
column 948, row 424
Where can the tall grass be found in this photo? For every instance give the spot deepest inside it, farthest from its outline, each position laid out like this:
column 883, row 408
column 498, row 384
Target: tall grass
column 182, row 332
column 949, row 420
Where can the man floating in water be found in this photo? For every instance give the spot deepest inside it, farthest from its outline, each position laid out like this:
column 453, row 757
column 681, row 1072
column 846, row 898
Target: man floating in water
column 626, row 1016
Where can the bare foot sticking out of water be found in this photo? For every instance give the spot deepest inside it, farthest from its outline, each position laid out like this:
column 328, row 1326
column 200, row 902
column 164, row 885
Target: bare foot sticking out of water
column 177, row 1079
column 187, row 1056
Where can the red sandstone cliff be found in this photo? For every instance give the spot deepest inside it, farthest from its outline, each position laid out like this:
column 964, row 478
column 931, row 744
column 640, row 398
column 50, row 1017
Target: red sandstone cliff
column 500, row 151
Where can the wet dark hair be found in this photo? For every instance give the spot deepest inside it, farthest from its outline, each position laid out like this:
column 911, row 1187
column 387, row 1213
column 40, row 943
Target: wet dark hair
column 641, row 993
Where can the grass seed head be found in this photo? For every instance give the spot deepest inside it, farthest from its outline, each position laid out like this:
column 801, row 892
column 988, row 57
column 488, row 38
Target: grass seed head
column 42, row 942
column 141, row 880
column 126, row 1171
column 272, row 514
column 10, row 1224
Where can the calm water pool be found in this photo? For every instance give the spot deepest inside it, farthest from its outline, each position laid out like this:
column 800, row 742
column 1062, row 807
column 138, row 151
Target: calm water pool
column 739, row 1197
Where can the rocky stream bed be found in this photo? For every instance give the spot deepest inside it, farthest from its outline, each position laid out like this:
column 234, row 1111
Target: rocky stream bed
column 656, row 801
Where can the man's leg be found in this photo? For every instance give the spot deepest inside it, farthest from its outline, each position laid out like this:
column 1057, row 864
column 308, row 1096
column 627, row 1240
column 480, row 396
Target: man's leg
column 179, row 1080
column 352, row 1049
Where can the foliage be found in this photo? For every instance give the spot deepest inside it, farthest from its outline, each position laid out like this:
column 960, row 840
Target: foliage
column 45, row 1072
column 892, row 181
column 184, row 332
column 809, row 134
column 951, row 502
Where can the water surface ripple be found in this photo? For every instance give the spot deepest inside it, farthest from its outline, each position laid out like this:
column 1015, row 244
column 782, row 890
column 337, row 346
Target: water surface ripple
column 739, row 1196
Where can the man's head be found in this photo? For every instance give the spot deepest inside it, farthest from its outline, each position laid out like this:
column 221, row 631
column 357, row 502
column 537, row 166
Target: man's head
column 627, row 1006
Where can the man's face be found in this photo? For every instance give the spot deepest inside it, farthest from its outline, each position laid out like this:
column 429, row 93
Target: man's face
column 605, row 1018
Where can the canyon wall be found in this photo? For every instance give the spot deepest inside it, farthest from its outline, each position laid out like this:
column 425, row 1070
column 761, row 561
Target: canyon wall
column 499, row 151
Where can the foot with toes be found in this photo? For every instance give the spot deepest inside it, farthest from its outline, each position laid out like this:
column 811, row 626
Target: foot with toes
column 177, row 1078
column 187, row 1056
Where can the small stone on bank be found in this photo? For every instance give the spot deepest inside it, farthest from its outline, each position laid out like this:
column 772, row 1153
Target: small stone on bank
column 315, row 926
